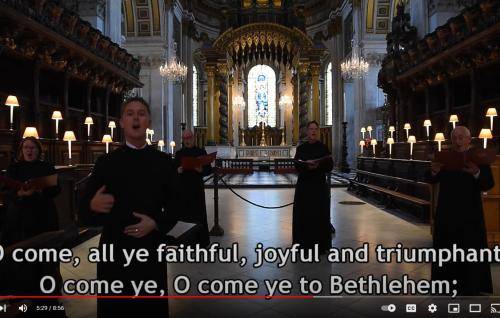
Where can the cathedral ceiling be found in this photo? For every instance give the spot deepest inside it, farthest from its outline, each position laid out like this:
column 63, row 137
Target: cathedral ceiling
column 141, row 17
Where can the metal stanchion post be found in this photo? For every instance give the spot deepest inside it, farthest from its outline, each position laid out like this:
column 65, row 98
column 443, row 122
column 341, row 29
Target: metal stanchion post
column 332, row 228
column 216, row 230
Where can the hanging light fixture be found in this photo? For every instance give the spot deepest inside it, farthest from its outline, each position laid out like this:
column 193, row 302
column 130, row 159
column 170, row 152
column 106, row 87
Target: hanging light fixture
column 356, row 66
column 174, row 70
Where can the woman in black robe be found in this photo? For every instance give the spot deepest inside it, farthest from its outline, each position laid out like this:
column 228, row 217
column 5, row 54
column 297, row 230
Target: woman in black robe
column 131, row 194
column 30, row 212
column 192, row 189
column 311, row 208
column 459, row 219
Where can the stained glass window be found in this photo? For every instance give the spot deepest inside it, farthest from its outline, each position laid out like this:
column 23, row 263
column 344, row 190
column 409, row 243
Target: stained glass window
column 195, row 96
column 261, row 96
column 328, row 95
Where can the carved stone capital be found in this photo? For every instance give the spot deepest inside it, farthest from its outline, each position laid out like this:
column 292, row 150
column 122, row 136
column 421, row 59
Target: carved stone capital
column 315, row 69
column 210, row 70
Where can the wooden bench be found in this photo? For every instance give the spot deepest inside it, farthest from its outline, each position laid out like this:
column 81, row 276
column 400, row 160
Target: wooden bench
column 390, row 190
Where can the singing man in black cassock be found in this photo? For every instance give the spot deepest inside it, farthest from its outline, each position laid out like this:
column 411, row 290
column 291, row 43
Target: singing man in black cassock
column 191, row 187
column 130, row 193
column 311, row 208
column 459, row 218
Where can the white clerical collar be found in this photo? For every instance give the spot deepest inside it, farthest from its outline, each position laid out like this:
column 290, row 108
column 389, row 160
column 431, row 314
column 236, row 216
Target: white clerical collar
column 134, row 147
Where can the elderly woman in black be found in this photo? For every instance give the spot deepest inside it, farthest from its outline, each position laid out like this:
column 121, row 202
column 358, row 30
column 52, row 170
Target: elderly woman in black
column 29, row 212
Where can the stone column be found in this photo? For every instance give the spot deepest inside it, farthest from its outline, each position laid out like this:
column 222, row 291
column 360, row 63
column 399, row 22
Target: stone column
column 442, row 10
column 303, row 99
column 295, row 110
column 315, row 114
column 223, row 105
column 113, row 19
column 210, row 71
column 230, row 110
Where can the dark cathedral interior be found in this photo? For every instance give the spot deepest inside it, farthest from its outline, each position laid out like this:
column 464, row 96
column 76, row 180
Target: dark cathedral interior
column 254, row 127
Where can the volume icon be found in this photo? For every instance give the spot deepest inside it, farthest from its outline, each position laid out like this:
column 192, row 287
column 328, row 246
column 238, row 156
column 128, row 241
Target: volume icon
column 23, row 308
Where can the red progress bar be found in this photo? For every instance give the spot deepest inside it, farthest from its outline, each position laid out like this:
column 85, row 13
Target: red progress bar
column 158, row 297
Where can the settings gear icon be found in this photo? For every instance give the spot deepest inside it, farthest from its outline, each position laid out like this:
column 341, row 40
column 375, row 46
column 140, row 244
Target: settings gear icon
column 432, row 308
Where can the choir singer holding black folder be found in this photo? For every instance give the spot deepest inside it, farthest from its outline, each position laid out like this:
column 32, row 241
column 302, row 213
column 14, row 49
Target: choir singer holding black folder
column 459, row 216
column 311, row 208
column 192, row 188
column 130, row 193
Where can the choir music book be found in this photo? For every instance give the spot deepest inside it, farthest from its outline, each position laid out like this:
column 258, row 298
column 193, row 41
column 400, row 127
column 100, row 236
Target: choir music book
column 33, row 184
column 191, row 163
column 315, row 161
column 454, row 160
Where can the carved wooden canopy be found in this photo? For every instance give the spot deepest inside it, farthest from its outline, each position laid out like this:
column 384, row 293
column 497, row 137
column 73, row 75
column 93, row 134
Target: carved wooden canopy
column 263, row 42
column 59, row 39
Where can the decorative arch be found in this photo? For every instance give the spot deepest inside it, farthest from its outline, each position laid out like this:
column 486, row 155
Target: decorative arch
column 142, row 17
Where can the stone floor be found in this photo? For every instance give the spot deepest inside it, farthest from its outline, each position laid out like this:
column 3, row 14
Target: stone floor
column 266, row 179
column 249, row 225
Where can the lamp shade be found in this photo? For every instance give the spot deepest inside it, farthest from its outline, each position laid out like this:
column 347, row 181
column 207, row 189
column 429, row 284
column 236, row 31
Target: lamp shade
column 148, row 131
column 172, row 143
column 363, row 129
column 392, row 128
column 161, row 143
column 69, row 135
column 151, row 131
column 12, row 101
column 439, row 137
column 30, row 132
column 412, row 139
column 491, row 112
column 453, row 119
column 390, row 141
column 56, row 115
column 373, row 142
column 112, row 124
column 362, row 143
column 407, row 126
column 427, row 123
column 107, row 138
column 485, row 134
column 369, row 128
column 89, row 121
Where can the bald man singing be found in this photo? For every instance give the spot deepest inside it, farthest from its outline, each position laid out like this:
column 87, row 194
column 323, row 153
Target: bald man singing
column 192, row 188
column 459, row 218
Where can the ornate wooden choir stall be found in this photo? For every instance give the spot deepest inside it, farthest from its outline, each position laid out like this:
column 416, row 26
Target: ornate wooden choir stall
column 58, row 71
column 449, row 77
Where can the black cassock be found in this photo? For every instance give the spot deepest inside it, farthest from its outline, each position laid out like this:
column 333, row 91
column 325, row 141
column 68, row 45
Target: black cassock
column 459, row 220
column 25, row 218
column 29, row 216
column 192, row 193
column 311, row 208
column 142, row 181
